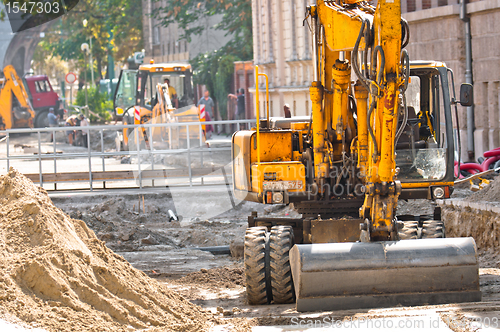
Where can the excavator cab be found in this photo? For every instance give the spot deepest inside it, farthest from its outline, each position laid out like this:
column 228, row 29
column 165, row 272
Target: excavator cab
column 424, row 150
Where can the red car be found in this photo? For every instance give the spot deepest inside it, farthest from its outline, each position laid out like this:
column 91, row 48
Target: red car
column 43, row 97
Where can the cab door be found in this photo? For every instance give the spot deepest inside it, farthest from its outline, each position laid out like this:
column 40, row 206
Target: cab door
column 43, row 95
column 125, row 91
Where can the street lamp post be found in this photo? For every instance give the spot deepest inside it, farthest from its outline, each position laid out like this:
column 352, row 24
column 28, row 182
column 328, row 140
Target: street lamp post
column 85, row 50
column 85, row 22
column 91, row 63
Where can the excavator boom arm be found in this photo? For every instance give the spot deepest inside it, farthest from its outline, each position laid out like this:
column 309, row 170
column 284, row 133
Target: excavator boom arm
column 348, row 29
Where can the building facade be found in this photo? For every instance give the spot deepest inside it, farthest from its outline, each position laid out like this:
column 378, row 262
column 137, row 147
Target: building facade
column 163, row 44
column 282, row 50
column 438, row 33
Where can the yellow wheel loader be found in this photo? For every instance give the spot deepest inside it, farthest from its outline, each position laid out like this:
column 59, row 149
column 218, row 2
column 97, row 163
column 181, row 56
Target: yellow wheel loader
column 142, row 96
column 381, row 130
column 15, row 107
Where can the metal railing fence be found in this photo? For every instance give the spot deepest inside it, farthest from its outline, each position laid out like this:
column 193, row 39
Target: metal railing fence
column 144, row 153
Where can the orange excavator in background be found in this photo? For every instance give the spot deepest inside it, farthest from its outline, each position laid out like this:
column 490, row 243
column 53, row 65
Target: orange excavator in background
column 380, row 130
column 16, row 110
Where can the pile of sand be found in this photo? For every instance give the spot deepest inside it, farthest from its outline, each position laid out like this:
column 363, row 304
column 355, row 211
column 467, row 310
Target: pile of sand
column 55, row 273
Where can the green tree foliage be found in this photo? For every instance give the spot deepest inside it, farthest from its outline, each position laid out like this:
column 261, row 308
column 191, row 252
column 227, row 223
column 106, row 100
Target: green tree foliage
column 98, row 103
column 114, row 25
column 223, row 82
column 214, row 69
column 236, row 20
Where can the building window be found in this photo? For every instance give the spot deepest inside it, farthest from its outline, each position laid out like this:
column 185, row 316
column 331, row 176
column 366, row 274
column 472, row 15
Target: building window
column 411, row 6
column 156, row 35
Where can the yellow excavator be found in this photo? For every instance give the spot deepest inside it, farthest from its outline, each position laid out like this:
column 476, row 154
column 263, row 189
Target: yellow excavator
column 15, row 107
column 381, row 130
column 143, row 96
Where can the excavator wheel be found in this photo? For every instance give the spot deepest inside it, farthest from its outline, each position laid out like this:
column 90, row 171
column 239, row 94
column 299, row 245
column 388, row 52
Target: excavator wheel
column 432, row 229
column 280, row 243
column 409, row 231
column 256, row 253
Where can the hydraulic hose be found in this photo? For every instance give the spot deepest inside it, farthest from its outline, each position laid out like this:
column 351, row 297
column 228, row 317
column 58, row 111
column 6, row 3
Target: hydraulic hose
column 354, row 59
column 406, row 64
column 378, row 50
column 370, row 130
column 403, row 124
column 406, row 59
column 406, row 33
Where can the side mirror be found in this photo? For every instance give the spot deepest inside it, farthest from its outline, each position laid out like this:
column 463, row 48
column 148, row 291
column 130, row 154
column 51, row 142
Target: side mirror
column 466, row 94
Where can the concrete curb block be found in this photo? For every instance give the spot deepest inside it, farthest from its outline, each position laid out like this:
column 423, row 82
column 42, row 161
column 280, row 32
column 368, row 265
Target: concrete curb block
column 473, row 205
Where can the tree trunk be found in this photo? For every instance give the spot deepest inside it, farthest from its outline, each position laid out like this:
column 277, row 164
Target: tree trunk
column 99, row 67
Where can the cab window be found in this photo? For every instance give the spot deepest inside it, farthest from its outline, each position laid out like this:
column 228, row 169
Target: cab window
column 421, row 152
column 41, row 86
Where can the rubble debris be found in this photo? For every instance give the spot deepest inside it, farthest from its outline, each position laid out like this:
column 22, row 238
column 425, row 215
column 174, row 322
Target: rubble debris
column 149, row 240
column 222, row 277
column 490, row 193
column 237, row 248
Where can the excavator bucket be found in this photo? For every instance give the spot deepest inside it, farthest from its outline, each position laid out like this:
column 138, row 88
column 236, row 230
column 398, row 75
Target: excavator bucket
column 334, row 276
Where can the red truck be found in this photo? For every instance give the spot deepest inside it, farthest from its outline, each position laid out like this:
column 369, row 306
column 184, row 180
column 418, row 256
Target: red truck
column 42, row 98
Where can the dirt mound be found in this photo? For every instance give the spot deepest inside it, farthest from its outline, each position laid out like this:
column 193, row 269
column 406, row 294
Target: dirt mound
column 490, row 193
column 56, row 274
column 223, row 277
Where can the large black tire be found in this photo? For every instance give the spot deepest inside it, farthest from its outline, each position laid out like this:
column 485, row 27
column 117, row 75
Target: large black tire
column 433, row 229
column 256, row 265
column 280, row 243
column 41, row 119
column 409, row 231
